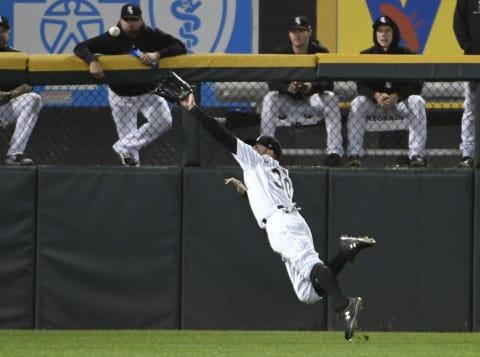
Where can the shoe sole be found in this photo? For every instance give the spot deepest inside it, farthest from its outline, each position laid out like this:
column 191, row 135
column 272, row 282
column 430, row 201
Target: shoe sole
column 366, row 240
column 353, row 323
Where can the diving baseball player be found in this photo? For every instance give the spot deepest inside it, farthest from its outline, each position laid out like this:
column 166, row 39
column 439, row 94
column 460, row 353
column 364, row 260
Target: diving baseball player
column 126, row 100
column 269, row 191
column 17, row 104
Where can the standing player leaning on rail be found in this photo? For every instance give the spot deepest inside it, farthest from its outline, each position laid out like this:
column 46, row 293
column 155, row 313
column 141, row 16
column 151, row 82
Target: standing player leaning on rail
column 466, row 25
column 17, row 103
column 269, row 191
column 397, row 101
column 293, row 100
column 127, row 99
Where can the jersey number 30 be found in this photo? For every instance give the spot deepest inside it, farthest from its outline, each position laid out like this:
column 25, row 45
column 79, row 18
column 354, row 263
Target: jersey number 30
column 282, row 182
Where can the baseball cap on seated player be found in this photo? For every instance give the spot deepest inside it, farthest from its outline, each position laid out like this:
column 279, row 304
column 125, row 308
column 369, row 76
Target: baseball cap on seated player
column 384, row 20
column 269, row 142
column 300, row 22
column 131, row 12
column 4, row 22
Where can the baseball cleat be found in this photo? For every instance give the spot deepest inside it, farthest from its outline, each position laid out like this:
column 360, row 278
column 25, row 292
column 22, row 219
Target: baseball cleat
column 127, row 160
column 350, row 316
column 353, row 245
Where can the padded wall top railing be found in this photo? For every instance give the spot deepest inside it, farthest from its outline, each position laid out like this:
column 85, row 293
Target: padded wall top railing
column 39, row 69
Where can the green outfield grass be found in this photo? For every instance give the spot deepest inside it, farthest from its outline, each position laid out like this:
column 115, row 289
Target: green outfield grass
column 234, row 343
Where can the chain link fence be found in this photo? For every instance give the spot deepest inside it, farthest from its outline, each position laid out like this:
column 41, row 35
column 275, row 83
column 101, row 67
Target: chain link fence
column 76, row 127
column 382, row 139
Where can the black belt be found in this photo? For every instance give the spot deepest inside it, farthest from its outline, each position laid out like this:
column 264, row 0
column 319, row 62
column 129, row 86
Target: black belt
column 264, row 221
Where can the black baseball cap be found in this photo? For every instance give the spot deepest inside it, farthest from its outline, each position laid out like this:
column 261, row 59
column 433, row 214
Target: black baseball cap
column 271, row 143
column 131, row 12
column 4, row 22
column 384, row 20
column 300, row 22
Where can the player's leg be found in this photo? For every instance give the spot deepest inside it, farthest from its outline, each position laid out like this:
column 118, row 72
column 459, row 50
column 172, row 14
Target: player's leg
column 25, row 110
column 327, row 106
column 159, row 120
column 413, row 108
column 290, row 236
column 349, row 248
column 357, row 119
column 273, row 106
column 467, row 144
column 124, row 113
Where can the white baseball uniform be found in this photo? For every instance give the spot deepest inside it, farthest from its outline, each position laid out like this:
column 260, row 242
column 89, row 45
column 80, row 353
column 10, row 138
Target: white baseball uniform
column 408, row 115
column 279, row 108
column 23, row 110
column 270, row 193
column 124, row 111
column 467, row 145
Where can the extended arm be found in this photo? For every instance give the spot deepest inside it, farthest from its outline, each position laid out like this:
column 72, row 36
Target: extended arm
column 218, row 131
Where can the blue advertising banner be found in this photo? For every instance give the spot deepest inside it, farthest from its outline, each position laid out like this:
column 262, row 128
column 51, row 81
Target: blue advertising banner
column 56, row 26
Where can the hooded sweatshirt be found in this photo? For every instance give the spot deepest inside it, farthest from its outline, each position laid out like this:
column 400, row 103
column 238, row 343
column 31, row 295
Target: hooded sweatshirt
column 403, row 88
column 466, row 24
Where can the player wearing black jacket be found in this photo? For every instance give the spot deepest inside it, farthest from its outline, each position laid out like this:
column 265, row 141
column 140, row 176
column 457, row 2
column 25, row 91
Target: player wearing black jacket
column 388, row 104
column 296, row 102
column 126, row 100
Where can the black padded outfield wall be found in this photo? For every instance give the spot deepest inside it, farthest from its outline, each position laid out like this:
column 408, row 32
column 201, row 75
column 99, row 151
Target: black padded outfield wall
column 108, row 252
column 17, row 247
column 476, row 255
column 419, row 275
column 112, row 248
column 231, row 277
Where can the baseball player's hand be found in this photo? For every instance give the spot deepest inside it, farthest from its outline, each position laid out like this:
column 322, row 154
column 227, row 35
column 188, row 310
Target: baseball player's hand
column 96, row 69
column 294, row 87
column 188, row 103
column 306, row 88
column 239, row 186
column 381, row 98
column 150, row 57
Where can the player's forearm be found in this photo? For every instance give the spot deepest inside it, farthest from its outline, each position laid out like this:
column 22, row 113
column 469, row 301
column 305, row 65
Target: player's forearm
column 21, row 89
column 218, row 131
column 82, row 51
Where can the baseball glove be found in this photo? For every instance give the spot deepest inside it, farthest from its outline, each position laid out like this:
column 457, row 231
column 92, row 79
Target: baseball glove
column 173, row 88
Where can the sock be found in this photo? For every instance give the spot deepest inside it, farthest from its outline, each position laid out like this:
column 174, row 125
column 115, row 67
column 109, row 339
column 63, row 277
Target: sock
column 338, row 263
column 324, row 280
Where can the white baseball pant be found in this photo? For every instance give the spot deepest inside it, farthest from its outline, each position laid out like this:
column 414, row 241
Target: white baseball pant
column 414, row 118
column 290, row 236
column 124, row 111
column 467, row 145
column 324, row 105
column 23, row 109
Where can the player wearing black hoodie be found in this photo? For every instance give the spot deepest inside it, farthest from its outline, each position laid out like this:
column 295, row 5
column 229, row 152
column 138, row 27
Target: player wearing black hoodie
column 388, row 104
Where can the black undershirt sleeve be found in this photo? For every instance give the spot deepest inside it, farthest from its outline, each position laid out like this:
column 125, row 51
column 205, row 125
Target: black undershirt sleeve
column 215, row 129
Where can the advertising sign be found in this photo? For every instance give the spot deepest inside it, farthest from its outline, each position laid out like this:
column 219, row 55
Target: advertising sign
column 426, row 26
column 56, row 26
